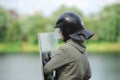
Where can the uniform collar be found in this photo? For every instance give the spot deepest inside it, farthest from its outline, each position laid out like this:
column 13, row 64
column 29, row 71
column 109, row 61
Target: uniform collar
column 78, row 45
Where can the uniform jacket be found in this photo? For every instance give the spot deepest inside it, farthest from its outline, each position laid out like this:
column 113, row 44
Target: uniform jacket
column 70, row 62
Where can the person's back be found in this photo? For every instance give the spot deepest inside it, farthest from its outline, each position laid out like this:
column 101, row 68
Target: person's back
column 78, row 67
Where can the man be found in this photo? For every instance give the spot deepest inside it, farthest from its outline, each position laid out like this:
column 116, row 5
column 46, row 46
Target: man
column 71, row 62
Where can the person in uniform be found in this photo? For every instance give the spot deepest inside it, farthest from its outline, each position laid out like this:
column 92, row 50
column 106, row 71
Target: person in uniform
column 71, row 62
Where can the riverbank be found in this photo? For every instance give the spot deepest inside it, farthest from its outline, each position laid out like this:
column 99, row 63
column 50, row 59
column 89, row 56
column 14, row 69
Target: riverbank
column 91, row 47
column 18, row 48
column 103, row 47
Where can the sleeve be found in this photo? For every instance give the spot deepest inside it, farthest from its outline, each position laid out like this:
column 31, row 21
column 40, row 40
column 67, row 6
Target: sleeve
column 59, row 60
column 88, row 75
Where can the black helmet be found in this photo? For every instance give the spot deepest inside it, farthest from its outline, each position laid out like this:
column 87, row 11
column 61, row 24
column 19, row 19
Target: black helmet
column 69, row 23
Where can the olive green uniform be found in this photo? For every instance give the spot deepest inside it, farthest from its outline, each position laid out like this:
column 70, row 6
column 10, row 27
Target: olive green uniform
column 70, row 62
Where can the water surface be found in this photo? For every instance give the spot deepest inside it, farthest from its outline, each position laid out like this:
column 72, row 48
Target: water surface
column 27, row 67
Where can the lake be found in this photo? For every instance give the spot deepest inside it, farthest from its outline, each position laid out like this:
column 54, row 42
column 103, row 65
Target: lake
column 27, row 67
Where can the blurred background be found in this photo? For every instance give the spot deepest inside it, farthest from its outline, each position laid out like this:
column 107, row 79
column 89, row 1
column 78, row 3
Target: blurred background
column 22, row 20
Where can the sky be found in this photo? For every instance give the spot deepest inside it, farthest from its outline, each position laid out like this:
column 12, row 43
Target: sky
column 48, row 6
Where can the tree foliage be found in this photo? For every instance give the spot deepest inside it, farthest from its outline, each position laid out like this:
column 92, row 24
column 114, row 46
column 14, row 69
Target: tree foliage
column 3, row 23
column 109, row 28
column 16, row 28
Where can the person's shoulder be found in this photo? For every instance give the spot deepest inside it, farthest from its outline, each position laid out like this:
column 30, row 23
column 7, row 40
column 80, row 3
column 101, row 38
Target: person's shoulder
column 62, row 50
column 65, row 47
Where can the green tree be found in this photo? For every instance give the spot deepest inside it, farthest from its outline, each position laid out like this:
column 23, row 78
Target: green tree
column 109, row 29
column 13, row 32
column 31, row 25
column 92, row 23
column 3, row 24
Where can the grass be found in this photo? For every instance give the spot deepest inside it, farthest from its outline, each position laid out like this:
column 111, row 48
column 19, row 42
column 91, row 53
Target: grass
column 91, row 47
column 104, row 47
column 13, row 47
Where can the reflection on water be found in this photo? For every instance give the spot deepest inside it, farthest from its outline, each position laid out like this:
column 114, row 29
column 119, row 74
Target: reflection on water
column 27, row 67
column 19, row 67
column 105, row 67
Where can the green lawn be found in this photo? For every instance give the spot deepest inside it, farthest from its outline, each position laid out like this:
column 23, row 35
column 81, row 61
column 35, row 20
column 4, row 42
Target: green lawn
column 91, row 47
column 23, row 47
column 104, row 47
